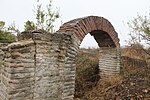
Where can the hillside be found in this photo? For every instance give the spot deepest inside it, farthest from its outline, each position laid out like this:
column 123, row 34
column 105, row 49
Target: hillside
column 132, row 84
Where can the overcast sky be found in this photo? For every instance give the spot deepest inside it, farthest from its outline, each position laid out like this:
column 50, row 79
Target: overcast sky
column 118, row 12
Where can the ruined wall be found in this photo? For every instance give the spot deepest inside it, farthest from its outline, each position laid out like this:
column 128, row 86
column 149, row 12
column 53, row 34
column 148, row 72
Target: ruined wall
column 1, row 57
column 106, row 37
column 70, row 68
column 47, row 69
column 17, row 78
column 55, row 66
column 109, row 61
column 39, row 68
column 42, row 65
column 1, row 61
column 53, row 71
column 132, row 62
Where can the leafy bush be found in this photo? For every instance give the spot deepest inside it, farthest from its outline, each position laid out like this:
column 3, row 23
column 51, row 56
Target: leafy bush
column 44, row 19
column 5, row 35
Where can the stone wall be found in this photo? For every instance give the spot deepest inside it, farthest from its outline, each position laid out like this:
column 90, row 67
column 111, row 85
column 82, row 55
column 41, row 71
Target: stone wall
column 70, row 68
column 17, row 78
column 54, row 72
column 55, row 66
column 109, row 61
column 46, row 72
column 39, row 68
column 42, row 65
column 132, row 62
column 1, row 60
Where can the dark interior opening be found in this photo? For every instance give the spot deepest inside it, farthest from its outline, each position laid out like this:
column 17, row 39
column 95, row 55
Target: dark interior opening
column 102, row 38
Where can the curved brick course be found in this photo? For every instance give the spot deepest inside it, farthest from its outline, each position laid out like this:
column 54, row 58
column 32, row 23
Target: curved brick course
column 85, row 25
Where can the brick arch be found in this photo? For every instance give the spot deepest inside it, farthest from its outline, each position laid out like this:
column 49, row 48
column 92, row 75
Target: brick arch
column 105, row 36
column 102, row 30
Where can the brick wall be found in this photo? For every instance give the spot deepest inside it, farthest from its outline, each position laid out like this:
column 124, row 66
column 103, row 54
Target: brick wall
column 109, row 61
column 17, row 78
column 42, row 66
column 50, row 72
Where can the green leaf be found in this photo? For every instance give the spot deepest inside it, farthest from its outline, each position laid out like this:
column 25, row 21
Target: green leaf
column 2, row 24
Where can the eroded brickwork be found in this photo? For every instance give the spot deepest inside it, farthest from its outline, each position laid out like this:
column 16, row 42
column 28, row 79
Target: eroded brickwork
column 42, row 66
column 55, row 71
column 85, row 25
column 17, row 73
column 109, row 61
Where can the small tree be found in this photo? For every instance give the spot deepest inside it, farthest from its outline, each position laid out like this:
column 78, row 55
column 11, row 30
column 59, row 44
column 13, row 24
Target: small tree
column 44, row 19
column 29, row 26
column 140, row 30
column 5, row 34
column 140, row 26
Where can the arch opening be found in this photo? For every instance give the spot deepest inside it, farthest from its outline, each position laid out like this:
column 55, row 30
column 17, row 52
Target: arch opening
column 87, row 61
column 88, row 42
column 87, row 66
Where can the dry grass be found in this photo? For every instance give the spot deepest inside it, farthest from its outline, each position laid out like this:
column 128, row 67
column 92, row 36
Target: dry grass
column 134, row 51
column 101, row 89
column 87, row 71
column 113, row 80
column 132, row 84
